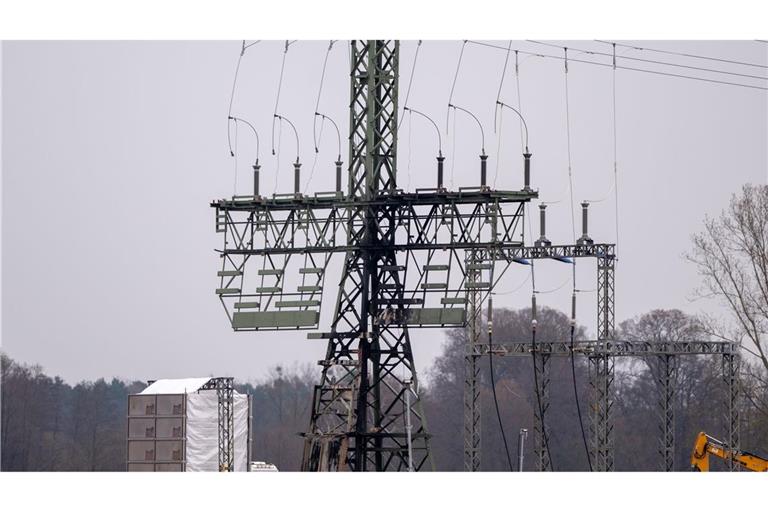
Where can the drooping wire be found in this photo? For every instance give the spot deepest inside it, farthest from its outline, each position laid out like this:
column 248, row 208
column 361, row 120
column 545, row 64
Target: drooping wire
column 232, row 94
column 627, row 68
column 501, row 121
column 410, row 115
column 648, row 61
column 682, row 54
column 315, row 138
column 573, row 268
column 495, row 399
column 279, row 88
column 576, row 392
column 453, row 86
column 410, row 79
column 615, row 152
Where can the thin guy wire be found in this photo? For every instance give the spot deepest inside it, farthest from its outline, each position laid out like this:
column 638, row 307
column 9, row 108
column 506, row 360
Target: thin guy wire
column 615, row 154
column 568, row 136
column 649, row 61
column 660, row 73
column 632, row 47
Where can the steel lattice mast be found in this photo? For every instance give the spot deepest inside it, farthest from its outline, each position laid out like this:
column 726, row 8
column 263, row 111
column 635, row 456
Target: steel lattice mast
column 411, row 259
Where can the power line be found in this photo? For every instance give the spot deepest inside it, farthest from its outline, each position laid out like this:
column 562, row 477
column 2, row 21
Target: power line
column 696, row 68
column 627, row 68
column 681, row 54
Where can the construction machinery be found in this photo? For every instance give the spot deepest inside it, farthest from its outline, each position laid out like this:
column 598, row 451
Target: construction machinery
column 707, row 445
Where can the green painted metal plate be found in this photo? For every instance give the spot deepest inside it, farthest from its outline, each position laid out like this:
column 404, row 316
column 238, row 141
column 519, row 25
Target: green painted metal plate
column 227, row 291
column 268, row 289
column 433, row 286
column 437, row 316
column 297, row 303
column 246, row 305
column 229, row 273
column 274, row 319
column 453, row 300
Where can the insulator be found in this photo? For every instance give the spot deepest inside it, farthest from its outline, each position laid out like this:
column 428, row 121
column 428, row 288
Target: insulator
column 483, row 169
column 542, row 226
column 585, row 239
column 573, row 309
column 256, row 168
column 490, row 314
column 296, row 177
column 533, row 312
column 440, row 160
column 338, row 176
column 527, row 173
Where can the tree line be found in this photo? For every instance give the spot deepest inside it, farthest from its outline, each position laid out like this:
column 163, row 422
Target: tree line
column 50, row 425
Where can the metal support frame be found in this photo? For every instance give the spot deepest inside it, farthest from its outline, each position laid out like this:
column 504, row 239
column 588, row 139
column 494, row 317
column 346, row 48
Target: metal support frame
column 731, row 363
column 601, row 371
column 540, row 430
column 225, row 391
column 598, row 352
column 472, row 433
column 665, row 377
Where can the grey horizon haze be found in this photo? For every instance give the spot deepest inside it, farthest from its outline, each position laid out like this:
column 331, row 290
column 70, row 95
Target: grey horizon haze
column 112, row 152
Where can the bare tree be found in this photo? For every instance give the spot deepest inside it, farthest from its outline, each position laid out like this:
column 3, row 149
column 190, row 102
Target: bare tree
column 732, row 257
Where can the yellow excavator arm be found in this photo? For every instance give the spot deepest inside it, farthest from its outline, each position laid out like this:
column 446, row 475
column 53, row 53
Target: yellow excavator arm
column 707, row 445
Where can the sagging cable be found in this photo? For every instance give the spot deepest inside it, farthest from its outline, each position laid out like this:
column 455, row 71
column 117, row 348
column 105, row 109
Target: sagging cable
column 483, row 155
column 232, row 94
column 493, row 381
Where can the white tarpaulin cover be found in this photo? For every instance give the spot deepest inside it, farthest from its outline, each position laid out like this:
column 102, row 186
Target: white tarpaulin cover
column 175, row 386
column 203, row 431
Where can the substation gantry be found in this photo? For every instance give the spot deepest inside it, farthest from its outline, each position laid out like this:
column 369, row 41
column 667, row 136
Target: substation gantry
column 423, row 259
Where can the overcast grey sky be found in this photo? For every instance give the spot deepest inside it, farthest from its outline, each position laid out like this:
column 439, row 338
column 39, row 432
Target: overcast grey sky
column 112, row 152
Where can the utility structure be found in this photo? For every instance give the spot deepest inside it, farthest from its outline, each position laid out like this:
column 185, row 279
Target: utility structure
column 411, row 260
column 601, row 355
column 419, row 259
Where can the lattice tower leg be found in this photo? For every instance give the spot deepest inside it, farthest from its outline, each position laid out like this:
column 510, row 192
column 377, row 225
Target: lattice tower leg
column 540, row 430
column 601, row 368
column 731, row 363
column 226, row 423
column 472, row 433
column 366, row 329
column 665, row 382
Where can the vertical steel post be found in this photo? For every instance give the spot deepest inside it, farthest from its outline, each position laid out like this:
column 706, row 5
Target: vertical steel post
column 225, row 394
column 472, row 434
column 601, row 366
column 731, row 363
column 372, row 356
column 540, row 430
column 521, row 448
column 665, row 383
